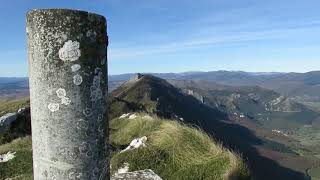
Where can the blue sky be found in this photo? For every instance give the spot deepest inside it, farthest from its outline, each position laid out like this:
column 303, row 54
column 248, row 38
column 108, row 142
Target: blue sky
column 185, row 35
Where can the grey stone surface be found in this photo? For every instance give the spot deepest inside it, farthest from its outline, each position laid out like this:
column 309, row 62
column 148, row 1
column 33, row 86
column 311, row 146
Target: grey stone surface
column 67, row 52
column 6, row 120
column 147, row 174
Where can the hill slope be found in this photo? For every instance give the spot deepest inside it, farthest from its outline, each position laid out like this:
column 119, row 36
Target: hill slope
column 155, row 95
column 173, row 151
column 263, row 106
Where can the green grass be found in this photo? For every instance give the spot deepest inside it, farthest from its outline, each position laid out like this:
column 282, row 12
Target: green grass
column 174, row 151
column 314, row 173
column 19, row 168
column 8, row 106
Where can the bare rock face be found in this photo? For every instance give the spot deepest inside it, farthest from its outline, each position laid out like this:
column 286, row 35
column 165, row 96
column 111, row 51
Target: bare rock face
column 195, row 94
column 67, row 52
column 147, row 174
column 136, row 77
column 6, row 120
column 15, row 125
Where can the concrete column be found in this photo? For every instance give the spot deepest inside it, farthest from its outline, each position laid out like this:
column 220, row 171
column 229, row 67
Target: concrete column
column 68, row 72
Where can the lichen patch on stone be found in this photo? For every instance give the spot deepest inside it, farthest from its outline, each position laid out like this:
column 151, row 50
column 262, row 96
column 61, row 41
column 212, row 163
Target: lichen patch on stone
column 85, row 148
column 53, row 107
column 61, row 92
column 82, row 124
column 70, row 51
column 75, row 67
column 77, row 79
column 65, row 100
column 91, row 34
column 87, row 112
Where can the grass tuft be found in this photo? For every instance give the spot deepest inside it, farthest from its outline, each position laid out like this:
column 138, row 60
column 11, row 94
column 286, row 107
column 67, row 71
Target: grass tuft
column 174, row 151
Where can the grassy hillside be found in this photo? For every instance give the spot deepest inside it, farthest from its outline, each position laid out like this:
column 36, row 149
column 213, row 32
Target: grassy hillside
column 174, row 151
column 8, row 106
column 19, row 168
column 156, row 96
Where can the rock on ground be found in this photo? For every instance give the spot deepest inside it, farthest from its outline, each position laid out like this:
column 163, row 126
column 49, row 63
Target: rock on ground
column 123, row 169
column 136, row 143
column 147, row 117
column 7, row 157
column 147, row 174
column 133, row 116
column 124, row 115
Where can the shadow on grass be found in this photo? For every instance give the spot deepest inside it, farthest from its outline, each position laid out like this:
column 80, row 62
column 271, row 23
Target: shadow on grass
column 236, row 137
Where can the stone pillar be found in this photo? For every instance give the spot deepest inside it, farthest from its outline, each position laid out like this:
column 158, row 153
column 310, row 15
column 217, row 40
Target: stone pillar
column 68, row 72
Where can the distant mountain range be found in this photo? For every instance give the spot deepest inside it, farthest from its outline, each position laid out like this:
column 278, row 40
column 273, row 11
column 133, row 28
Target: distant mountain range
column 290, row 84
column 302, row 87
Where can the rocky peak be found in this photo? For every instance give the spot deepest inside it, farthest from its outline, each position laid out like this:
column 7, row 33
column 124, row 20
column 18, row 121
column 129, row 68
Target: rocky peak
column 136, row 77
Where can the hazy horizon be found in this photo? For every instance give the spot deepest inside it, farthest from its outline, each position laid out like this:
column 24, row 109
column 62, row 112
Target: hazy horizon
column 180, row 73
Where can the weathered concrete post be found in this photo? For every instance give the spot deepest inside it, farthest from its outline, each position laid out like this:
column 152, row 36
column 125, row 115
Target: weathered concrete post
column 67, row 70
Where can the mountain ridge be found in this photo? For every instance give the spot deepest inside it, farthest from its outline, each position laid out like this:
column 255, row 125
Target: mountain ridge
column 192, row 111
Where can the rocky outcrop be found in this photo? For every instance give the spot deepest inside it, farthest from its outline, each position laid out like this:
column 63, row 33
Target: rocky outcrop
column 136, row 77
column 196, row 95
column 147, row 174
column 7, row 119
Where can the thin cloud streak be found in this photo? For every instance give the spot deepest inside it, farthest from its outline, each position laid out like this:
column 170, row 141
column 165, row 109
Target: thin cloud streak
column 205, row 41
